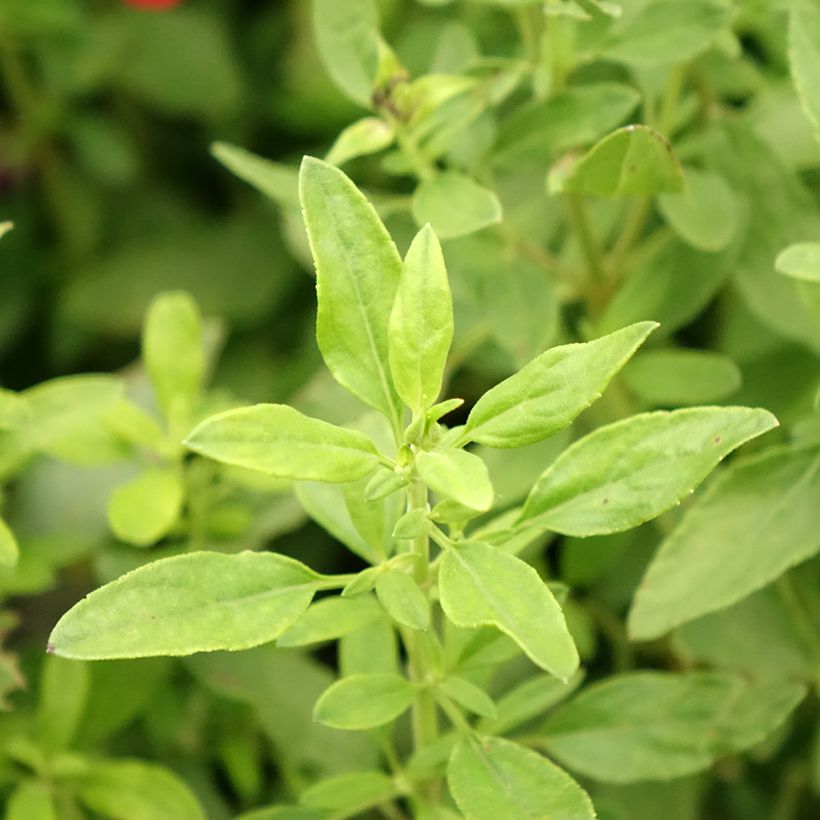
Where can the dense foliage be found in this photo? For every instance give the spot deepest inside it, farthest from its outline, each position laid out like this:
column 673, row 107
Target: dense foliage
column 414, row 538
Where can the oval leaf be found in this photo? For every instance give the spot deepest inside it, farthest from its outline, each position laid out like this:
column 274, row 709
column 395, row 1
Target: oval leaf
column 366, row 136
column 458, row 475
column 481, row 585
column 329, row 619
column 352, row 792
column 281, row 441
column 189, row 603
column 632, row 471
column 402, row 599
column 364, row 701
column 144, row 510
column 800, row 261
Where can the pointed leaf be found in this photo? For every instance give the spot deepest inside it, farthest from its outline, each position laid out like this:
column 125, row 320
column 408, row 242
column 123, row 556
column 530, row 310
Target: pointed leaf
column 402, row 599
column 549, row 392
column 366, row 136
column 357, row 272
column 469, row 696
column 364, row 701
column 352, row 793
column 276, row 439
column 458, row 475
column 189, row 603
column 632, row 471
column 278, row 182
column 146, row 508
column 481, row 585
column 800, row 261
column 329, row 619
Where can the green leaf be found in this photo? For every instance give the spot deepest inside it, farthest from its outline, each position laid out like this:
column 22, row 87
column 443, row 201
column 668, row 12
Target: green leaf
column 125, row 789
column 173, row 352
column 364, row 701
column 533, row 134
column 5, row 227
column 9, row 551
column 189, row 603
column 31, row 800
column 357, row 273
column 458, row 475
column 402, row 599
column 667, row 32
column 366, row 136
column 481, row 585
column 804, row 56
column 347, row 36
column 276, row 439
column 705, row 213
column 282, row 813
column 681, row 377
column 145, row 509
column 800, row 261
column 329, row 619
column 421, row 323
column 64, row 686
column 755, row 520
column 631, row 161
column 351, row 793
column 455, row 205
column 412, row 524
column 549, row 392
column 632, row 471
column 493, row 778
column 659, row 725
column 278, row 182
column 469, row 696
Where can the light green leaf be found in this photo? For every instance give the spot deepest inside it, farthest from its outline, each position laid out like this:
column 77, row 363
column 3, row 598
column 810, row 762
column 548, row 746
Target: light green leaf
column 632, row 471
column 800, row 261
column 402, row 599
column 681, row 377
column 364, row 701
column 126, row 789
column 64, row 687
column 705, row 213
column 469, row 696
column 5, row 227
column 804, row 56
column 189, row 603
column 329, row 619
column 146, row 508
column 631, row 161
column 347, row 35
column 278, row 182
column 352, row 793
column 276, row 439
column 549, row 392
column 481, row 585
column 31, row 800
column 9, row 551
column 493, row 778
column 174, row 354
column 666, row 32
column 366, row 136
column 659, row 725
column 458, row 475
column 357, row 273
column 455, row 205
column 282, row 813
column 412, row 524
column 755, row 520
column 421, row 323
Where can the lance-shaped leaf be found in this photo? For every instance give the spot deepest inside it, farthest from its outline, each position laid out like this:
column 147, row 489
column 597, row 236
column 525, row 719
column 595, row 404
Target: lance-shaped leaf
column 492, row 778
column 755, row 520
column 549, row 392
column 189, row 603
column 804, row 56
column 357, row 272
column 364, row 701
column 421, row 323
column 658, row 726
column 482, row 585
column 632, row 161
column 281, row 441
column 632, row 471
column 458, row 475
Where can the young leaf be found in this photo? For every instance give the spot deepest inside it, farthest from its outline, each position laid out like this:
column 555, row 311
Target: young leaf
column 800, row 261
column 329, row 619
column 64, row 689
column 9, row 551
column 804, row 56
column 631, row 161
column 357, row 273
column 124, row 789
column 455, row 205
column 755, row 520
column 457, row 474
column 469, row 696
column 147, row 507
column 480, row 584
column 173, row 352
column 549, row 392
column 632, row 471
column 351, row 793
column 198, row 602
column 276, row 439
column 366, row 136
column 412, row 524
column 421, row 323
column 493, row 778
column 402, row 599
column 278, row 182
column 364, row 701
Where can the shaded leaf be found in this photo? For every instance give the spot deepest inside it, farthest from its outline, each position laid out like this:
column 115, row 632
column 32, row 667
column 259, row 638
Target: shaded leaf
column 455, row 205
column 364, row 701
column 146, row 508
column 800, row 261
